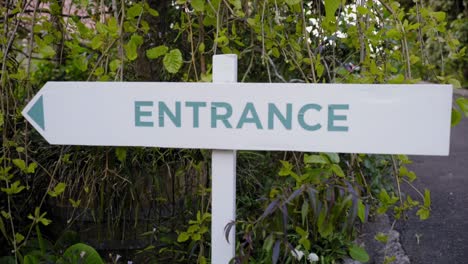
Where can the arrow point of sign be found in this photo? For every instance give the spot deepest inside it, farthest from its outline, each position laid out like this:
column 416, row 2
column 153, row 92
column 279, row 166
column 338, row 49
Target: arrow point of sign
column 36, row 112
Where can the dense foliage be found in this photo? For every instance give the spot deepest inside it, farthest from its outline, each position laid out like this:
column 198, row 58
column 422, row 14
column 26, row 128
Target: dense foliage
column 154, row 204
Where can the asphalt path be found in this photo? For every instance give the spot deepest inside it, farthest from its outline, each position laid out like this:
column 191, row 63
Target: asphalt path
column 443, row 238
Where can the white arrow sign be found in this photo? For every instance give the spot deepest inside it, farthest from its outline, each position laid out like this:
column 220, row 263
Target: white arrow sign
column 346, row 118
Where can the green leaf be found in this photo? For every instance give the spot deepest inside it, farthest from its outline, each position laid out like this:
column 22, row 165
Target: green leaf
column 58, row 189
column 114, row 65
column 156, row 52
column 81, row 253
column 173, row 61
column 330, row 8
column 31, row 259
column 74, row 203
column 456, row 83
column 423, row 213
column 361, row 211
column 399, row 79
column 463, row 104
column 46, row 51
column 358, row 253
column 236, row 3
column 286, row 168
column 184, row 236
column 152, row 11
column 14, row 188
column 131, row 48
column 427, row 198
column 456, row 117
column 315, row 159
column 198, row 5
column 121, row 154
column 31, row 167
column 337, row 170
column 96, row 42
column 113, row 26
column 362, row 10
column 292, row 2
column 135, row 10
column 20, row 164
column 81, row 62
column 381, row 237
column 439, row 16
column 334, row 157
column 19, row 237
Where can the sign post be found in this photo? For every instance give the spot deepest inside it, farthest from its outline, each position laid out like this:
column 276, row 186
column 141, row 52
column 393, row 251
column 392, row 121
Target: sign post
column 223, row 177
column 226, row 116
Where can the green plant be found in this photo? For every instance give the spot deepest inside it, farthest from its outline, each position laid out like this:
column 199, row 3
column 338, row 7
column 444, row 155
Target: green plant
column 130, row 191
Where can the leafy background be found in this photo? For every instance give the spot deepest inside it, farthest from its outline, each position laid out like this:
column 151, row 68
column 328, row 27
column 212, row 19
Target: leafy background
column 149, row 204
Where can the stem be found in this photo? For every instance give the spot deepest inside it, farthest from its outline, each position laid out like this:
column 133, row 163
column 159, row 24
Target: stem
column 397, row 180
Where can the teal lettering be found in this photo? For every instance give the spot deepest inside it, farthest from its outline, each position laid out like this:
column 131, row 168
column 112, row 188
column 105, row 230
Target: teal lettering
column 221, row 117
column 139, row 113
column 301, row 116
column 249, row 108
column 196, row 106
column 332, row 117
column 164, row 110
column 274, row 111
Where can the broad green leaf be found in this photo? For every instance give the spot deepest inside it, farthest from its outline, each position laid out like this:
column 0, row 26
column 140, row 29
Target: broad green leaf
column 81, row 62
column 121, row 154
column 423, row 213
column 152, row 11
column 131, row 48
column 20, row 164
column 463, row 104
column 173, row 61
column 456, row 117
column 31, row 167
column 46, row 51
column 399, row 79
column 113, row 26
column 96, row 42
column 439, row 16
column 58, row 189
column 330, row 8
column 337, row 170
column 358, row 253
column 31, row 259
column 236, row 3
column 314, row 159
column 74, row 203
column 393, row 34
column 381, row 237
column 286, row 169
column 198, row 5
column 184, row 236
column 19, row 238
column 81, row 253
column 156, row 52
column 334, row 157
column 456, row 83
column 14, row 188
column 362, row 10
column 114, row 65
column 135, row 10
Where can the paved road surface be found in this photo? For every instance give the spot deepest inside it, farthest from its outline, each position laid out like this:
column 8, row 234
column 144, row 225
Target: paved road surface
column 443, row 238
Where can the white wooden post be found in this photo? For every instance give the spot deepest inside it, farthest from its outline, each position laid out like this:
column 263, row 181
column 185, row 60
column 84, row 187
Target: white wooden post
column 223, row 178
